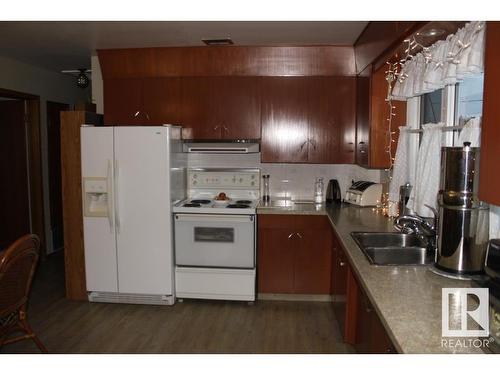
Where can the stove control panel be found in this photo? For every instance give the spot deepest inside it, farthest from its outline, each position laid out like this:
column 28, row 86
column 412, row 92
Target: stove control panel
column 213, row 179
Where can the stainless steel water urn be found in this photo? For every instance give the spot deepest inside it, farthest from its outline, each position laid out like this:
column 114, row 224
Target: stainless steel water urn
column 463, row 221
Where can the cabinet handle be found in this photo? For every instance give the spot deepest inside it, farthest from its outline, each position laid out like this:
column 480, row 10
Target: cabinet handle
column 291, row 235
column 216, row 127
column 298, row 235
column 361, row 143
column 303, row 144
column 137, row 114
column 313, row 142
column 341, row 264
column 362, row 151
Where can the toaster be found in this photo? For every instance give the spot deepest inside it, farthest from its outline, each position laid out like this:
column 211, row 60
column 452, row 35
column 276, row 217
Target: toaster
column 364, row 193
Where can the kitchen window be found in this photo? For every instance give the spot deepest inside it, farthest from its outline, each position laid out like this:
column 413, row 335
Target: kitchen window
column 453, row 105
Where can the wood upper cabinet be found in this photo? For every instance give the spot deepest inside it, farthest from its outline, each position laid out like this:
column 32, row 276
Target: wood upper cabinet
column 332, row 123
column 363, row 93
column 141, row 101
column 372, row 112
column 161, row 100
column 123, row 101
column 285, row 119
column 489, row 177
column 308, row 119
column 220, row 108
column 294, row 254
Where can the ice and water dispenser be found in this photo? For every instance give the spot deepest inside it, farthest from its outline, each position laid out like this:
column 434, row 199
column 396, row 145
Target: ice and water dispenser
column 95, row 193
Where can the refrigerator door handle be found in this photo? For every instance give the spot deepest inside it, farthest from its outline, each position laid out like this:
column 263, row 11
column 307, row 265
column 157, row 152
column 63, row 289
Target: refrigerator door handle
column 110, row 196
column 117, row 197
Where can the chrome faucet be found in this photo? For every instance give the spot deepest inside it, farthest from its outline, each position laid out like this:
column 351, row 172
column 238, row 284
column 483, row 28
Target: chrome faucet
column 414, row 224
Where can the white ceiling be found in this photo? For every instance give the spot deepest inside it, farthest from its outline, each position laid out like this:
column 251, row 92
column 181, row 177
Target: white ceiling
column 69, row 45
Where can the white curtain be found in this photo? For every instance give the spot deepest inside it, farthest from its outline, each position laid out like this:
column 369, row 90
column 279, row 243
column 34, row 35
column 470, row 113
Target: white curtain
column 471, row 132
column 401, row 172
column 426, row 187
column 453, row 59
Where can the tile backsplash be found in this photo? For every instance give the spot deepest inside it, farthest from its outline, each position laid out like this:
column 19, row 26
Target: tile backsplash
column 293, row 181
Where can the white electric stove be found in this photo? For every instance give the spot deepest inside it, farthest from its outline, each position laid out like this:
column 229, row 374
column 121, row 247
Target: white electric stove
column 215, row 238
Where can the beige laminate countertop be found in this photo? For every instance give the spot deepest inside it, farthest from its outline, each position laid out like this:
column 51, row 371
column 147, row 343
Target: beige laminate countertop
column 407, row 298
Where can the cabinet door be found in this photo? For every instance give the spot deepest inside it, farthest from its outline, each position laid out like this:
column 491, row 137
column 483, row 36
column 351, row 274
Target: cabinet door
column 285, row 119
column 162, row 100
column 123, row 102
column 312, row 262
column 237, row 102
column 276, row 260
column 313, row 257
column 199, row 114
column 339, row 270
column 490, row 133
column 332, row 128
column 363, row 324
column 363, row 117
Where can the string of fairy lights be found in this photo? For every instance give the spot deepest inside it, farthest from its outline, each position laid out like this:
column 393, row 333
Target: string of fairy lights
column 395, row 72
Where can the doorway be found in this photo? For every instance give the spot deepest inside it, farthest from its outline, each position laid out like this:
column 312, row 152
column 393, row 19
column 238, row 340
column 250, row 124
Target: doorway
column 20, row 168
column 54, row 154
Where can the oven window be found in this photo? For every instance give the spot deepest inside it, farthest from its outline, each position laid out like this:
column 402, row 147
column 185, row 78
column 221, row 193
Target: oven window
column 210, row 234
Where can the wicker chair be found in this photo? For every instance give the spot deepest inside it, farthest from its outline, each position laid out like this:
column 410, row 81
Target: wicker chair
column 17, row 265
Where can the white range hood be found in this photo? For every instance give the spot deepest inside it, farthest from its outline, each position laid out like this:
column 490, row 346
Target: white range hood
column 222, row 147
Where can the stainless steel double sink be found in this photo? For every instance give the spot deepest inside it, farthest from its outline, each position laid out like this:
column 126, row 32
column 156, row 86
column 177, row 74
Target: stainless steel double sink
column 391, row 249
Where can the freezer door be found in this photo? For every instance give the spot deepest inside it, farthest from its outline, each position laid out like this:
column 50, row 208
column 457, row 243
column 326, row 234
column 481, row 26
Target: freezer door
column 98, row 229
column 143, row 213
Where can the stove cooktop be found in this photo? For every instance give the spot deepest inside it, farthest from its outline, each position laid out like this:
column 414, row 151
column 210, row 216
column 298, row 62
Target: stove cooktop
column 212, row 206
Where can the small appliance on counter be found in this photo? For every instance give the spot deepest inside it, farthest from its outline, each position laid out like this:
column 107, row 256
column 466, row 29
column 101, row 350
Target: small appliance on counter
column 364, row 193
column 333, row 192
column 463, row 220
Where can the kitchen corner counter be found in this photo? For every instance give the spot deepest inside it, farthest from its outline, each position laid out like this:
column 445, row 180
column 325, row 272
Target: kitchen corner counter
column 406, row 298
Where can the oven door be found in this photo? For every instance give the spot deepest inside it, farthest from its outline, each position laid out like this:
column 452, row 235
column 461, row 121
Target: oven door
column 226, row 241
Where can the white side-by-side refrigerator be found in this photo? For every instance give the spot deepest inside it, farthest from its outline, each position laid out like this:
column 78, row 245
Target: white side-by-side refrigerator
column 131, row 178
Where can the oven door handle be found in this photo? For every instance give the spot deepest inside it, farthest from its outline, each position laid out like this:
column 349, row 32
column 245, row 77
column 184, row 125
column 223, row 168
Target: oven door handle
column 214, row 218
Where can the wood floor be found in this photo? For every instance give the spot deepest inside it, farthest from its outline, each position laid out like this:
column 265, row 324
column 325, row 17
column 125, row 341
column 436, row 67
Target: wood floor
column 193, row 326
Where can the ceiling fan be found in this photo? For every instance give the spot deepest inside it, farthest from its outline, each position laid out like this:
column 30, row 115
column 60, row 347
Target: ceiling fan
column 82, row 79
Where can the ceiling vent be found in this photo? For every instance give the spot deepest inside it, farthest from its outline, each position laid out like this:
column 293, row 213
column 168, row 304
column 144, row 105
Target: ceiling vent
column 218, row 42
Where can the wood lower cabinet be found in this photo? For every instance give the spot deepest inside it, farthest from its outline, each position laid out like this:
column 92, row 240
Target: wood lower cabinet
column 358, row 321
column 294, row 254
column 371, row 337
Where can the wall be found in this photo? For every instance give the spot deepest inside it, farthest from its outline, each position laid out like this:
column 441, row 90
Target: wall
column 50, row 86
column 293, row 181
column 97, row 84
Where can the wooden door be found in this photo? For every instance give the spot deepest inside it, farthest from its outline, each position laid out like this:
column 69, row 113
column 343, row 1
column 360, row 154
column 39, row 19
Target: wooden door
column 199, row 115
column 54, row 150
column 285, row 119
column 363, row 324
column 276, row 258
column 332, row 112
column 313, row 256
column 490, row 132
column 339, row 269
column 123, row 103
column 14, row 200
column 363, row 92
column 238, row 107
column 161, row 98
